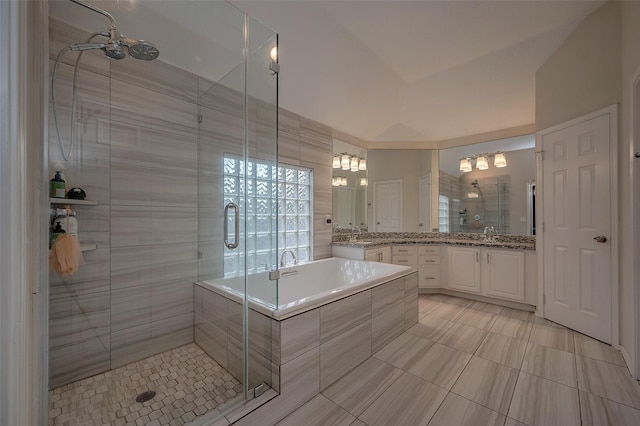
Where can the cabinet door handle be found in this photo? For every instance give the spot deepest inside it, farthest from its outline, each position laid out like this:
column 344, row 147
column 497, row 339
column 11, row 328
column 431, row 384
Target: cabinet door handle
column 477, row 257
column 379, row 256
column 403, row 261
column 429, row 278
column 487, row 258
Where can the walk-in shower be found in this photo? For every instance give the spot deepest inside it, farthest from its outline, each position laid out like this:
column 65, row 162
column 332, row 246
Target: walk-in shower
column 160, row 148
column 114, row 48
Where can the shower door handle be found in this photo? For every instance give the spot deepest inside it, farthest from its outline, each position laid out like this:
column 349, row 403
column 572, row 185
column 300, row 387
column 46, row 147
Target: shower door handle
column 236, row 235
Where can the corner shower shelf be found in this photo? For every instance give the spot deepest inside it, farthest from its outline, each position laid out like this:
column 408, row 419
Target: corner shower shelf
column 87, row 247
column 72, row 201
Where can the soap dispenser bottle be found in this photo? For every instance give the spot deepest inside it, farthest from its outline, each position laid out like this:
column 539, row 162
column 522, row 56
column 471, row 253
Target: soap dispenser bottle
column 56, row 231
column 58, row 187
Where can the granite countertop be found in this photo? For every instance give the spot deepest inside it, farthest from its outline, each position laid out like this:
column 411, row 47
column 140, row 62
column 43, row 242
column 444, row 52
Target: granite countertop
column 468, row 240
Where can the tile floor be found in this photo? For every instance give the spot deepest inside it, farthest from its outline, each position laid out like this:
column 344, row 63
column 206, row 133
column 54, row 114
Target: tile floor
column 473, row 363
column 187, row 382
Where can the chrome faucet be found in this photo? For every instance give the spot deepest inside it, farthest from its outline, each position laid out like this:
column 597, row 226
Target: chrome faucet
column 293, row 255
column 488, row 233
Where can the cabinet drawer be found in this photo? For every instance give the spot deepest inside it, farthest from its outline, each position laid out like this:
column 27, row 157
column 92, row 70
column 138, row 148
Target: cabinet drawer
column 426, row 260
column 432, row 250
column 404, row 250
column 405, row 260
column 429, row 277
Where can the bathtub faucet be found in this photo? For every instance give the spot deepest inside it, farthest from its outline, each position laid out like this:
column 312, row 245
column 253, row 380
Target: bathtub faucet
column 282, row 256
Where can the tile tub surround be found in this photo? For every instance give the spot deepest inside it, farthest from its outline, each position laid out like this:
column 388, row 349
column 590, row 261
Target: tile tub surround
column 376, row 239
column 412, row 377
column 329, row 340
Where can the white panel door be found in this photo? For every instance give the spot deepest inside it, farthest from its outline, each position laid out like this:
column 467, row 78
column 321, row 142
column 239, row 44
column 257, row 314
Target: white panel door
column 577, row 200
column 387, row 206
column 425, row 204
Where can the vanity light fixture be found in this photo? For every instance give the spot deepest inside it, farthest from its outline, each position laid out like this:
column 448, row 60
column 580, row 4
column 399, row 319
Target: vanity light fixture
column 500, row 160
column 336, row 162
column 363, row 164
column 482, row 163
column 465, row 165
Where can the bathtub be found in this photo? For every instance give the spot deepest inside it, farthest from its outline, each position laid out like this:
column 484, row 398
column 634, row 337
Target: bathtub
column 307, row 285
column 331, row 315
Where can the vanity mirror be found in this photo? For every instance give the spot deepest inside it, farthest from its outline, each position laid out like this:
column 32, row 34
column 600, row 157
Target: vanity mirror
column 490, row 184
column 349, row 186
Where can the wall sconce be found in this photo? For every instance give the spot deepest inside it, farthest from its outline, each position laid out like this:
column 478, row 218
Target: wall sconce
column 364, row 181
column 363, row 164
column 500, row 160
column 465, row 165
column 336, row 162
column 482, row 163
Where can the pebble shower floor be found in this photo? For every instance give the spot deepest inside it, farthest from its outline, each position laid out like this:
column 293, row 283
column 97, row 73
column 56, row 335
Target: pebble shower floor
column 187, row 382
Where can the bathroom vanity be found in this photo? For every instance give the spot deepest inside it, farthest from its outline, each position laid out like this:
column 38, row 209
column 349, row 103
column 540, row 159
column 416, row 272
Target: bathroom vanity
column 502, row 270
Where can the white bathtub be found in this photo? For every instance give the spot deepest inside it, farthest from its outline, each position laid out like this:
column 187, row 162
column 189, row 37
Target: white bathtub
column 307, row 285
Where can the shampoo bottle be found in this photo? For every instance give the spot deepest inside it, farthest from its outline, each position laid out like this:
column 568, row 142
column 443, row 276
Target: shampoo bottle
column 58, row 187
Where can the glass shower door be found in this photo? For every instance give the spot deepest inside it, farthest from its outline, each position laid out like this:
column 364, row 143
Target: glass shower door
column 237, row 187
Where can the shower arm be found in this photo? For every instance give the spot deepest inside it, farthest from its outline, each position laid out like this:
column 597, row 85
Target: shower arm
column 112, row 21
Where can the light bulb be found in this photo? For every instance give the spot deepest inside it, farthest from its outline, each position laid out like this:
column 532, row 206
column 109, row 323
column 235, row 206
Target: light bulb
column 354, row 164
column 482, row 163
column 336, row 161
column 274, row 53
column 364, row 181
column 500, row 160
column 465, row 165
column 363, row 164
column 345, row 162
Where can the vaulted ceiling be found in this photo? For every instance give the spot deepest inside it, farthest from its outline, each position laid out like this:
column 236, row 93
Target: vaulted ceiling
column 415, row 70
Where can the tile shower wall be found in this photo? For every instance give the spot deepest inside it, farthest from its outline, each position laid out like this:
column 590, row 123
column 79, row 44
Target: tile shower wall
column 138, row 156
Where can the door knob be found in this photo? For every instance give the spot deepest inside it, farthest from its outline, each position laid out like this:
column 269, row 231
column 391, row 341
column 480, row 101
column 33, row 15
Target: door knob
column 600, row 239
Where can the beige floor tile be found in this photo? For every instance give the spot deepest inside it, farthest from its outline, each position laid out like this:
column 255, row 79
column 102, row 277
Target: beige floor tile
column 550, row 363
column 318, row 411
column 478, row 318
column 517, row 314
column 503, row 350
column 431, row 327
column 459, row 411
column 463, row 337
column 426, row 305
column 440, row 365
column 404, row 351
column 487, row 307
column 544, row 321
column 487, row 383
column 513, row 422
column 599, row 411
column 358, row 389
column 555, row 337
column 608, row 381
column 514, row 328
column 358, row 422
column 458, row 301
column 586, row 346
column 448, row 311
column 537, row 401
column 393, row 407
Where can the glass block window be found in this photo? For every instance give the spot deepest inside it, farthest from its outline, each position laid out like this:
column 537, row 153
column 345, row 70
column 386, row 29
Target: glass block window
column 443, row 213
column 292, row 186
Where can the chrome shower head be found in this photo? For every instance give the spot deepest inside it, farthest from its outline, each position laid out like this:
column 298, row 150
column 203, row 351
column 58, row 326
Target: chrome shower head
column 114, row 51
column 143, row 50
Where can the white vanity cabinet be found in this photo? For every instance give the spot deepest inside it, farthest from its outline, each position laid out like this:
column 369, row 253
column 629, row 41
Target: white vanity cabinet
column 378, row 254
column 425, row 258
column 503, row 274
column 464, row 269
column 375, row 254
